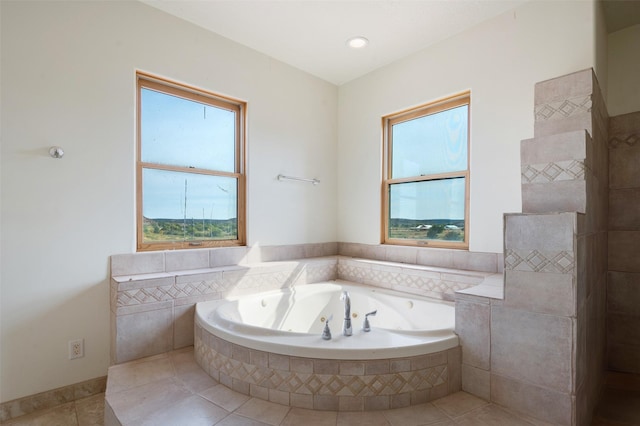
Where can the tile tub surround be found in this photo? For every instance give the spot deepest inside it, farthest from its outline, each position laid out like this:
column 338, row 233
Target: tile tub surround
column 153, row 300
column 326, row 384
column 152, row 313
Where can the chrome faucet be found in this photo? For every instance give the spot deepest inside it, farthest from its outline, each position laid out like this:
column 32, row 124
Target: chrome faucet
column 346, row 325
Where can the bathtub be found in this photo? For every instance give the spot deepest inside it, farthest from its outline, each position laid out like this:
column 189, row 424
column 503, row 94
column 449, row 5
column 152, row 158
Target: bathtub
column 290, row 322
column 270, row 346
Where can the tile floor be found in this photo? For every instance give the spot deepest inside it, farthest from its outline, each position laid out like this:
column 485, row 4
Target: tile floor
column 171, row 389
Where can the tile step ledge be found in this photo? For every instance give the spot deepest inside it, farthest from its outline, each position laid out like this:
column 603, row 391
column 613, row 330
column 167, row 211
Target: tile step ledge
column 492, row 287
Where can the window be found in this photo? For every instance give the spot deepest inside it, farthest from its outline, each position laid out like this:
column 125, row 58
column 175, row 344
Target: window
column 425, row 190
column 190, row 167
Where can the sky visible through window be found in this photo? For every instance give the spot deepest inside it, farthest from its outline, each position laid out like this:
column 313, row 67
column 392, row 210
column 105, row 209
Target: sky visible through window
column 428, row 145
column 184, row 133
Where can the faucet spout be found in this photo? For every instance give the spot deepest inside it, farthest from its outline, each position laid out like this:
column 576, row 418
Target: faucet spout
column 346, row 325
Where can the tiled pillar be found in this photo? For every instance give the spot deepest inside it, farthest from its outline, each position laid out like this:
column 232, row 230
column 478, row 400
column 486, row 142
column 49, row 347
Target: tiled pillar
column 533, row 329
column 623, row 292
column 546, row 339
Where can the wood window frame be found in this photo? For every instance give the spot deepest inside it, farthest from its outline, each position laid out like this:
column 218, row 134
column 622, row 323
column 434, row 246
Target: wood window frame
column 149, row 81
column 463, row 98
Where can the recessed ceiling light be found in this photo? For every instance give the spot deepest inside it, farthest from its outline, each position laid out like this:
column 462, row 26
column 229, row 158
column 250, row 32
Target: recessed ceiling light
column 357, row 42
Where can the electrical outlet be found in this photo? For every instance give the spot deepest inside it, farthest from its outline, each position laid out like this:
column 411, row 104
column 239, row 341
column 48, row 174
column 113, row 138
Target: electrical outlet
column 76, row 348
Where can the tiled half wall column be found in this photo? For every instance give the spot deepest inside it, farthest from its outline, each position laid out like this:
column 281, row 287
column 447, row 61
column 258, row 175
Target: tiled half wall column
column 540, row 350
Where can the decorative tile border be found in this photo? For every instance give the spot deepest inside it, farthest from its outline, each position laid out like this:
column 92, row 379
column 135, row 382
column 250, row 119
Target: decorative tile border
column 439, row 283
column 564, row 108
column 539, row 261
column 553, row 172
column 327, row 384
column 630, row 139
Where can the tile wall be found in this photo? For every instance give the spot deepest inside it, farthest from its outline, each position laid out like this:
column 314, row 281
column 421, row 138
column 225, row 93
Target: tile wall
column 543, row 344
column 623, row 291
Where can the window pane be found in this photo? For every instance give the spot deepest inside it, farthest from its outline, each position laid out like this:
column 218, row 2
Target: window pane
column 428, row 210
column 185, row 133
column 188, row 207
column 435, row 143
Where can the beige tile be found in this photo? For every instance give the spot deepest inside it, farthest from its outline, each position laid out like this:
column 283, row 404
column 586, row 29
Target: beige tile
column 300, row 365
column 351, row 368
column 557, row 147
column 581, row 121
column 472, row 327
column 532, row 347
column 401, row 254
column 544, row 292
column 623, row 328
column 183, row 317
column 90, row 387
column 321, row 366
column 138, row 403
column 475, row 261
column 183, row 260
column 299, row 416
column 564, row 87
column 416, row 415
column 560, row 196
column 544, row 232
column 143, row 334
column 624, row 205
column 326, row 402
column 90, row 410
column 623, row 295
column 624, row 247
column 133, row 374
column 192, row 411
column 623, row 170
column 224, row 397
column 364, row 418
column 379, row 402
column 110, row 418
column 63, row 415
column 138, row 263
column 301, row 401
column 236, row 420
column 227, row 256
column 442, row 258
column 264, row 411
column 279, row 397
column 459, row 403
column 279, row 362
column 489, row 415
column 526, row 398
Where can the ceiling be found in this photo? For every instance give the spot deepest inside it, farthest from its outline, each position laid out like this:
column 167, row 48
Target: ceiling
column 311, row 34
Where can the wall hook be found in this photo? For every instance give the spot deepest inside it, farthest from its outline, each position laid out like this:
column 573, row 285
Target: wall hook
column 56, row 152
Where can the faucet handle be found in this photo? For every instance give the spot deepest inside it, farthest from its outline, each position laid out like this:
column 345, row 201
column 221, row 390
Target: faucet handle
column 326, row 333
column 366, row 326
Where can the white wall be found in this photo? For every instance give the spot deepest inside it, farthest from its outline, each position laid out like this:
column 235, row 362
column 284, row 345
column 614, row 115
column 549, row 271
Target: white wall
column 500, row 61
column 624, row 71
column 68, row 79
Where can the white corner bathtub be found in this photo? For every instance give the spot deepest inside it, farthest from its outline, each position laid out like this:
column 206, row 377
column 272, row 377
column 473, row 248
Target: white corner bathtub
column 290, row 322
